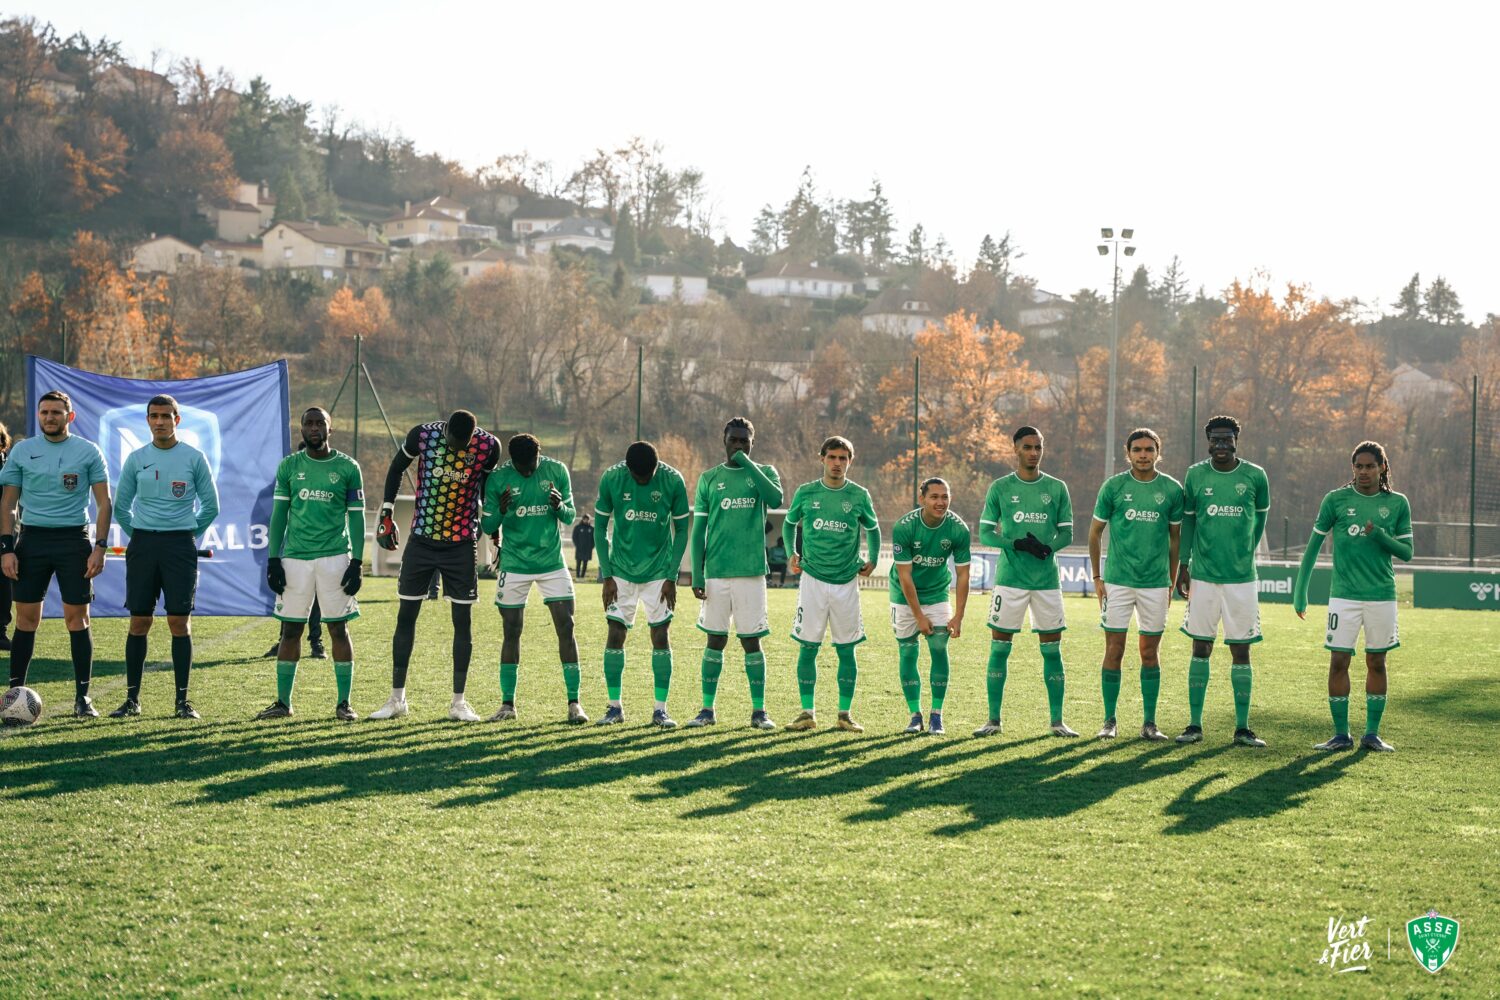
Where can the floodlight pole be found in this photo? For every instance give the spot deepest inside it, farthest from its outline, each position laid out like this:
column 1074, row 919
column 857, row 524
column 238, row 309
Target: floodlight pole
column 1111, row 243
column 640, row 365
column 916, row 431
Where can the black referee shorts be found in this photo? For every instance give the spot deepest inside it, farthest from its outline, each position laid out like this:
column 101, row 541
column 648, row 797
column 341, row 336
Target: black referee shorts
column 43, row 553
column 423, row 557
column 157, row 564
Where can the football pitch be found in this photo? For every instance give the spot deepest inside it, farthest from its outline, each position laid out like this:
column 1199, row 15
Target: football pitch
column 307, row 857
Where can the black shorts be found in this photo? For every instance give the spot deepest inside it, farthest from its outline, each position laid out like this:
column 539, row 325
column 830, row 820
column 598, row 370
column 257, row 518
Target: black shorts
column 43, row 553
column 423, row 557
column 161, row 563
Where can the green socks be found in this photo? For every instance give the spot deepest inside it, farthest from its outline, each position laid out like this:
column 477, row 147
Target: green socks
column 755, row 673
column 937, row 648
column 571, row 676
column 1239, row 680
column 1110, row 684
column 1052, row 674
column 286, row 676
column 807, row 674
column 1338, row 707
column 614, row 673
column 994, row 678
column 848, row 673
column 343, row 676
column 661, row 672
column 1197, row 689
column 508, row 681
column 1374, row 709
column 1150, row 689
column 911, row 680
column 713, row 666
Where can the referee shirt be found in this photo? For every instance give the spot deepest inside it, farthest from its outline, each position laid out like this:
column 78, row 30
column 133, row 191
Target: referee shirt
column 55, row 478
column 166, row 489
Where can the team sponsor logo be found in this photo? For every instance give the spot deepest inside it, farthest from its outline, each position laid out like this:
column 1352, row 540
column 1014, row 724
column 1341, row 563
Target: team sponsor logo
column 1483, row 590
column 1015, row 499
column 1348, row 950
column 70, row 481
column 1029, row 517
column 829, row 524
column 1353, row 530
column 532, row 510
column 933, row 561
column 631, row 514
column 322, row 496
column 1265, row 586
column 624, row 496
column 1225, row 510
column 457, row 474
column 737, row 503
column 301, row 475
column 1351, row 511
column 817, row 505
column 1150, row 516
column 179, row 489
column 1128, row 498
column 1432, row 939
column 721, row 486
column 1208, row 491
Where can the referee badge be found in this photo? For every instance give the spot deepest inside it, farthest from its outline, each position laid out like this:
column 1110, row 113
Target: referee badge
column 179, row 490
column 70, row 481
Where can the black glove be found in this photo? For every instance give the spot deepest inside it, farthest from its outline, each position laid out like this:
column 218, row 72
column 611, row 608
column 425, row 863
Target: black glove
column 1032, row 545
column 275, row 575
column 386, row 535
column 352, row 579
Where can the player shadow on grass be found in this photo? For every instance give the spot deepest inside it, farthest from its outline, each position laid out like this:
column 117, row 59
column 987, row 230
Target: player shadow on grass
column 1059, row 781
column 1257, row 797
column 1475, row 701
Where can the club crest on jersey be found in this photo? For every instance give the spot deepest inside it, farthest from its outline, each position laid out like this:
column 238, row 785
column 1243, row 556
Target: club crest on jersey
column 1384, row 512
column 947, row 544
column 848, row 506
column 547, row 484
column 1046, row 498
column 1160, row 498
column 1240, row 488
column 656, row 496
column 333, row 477
column 179, row 490
column 70, row 481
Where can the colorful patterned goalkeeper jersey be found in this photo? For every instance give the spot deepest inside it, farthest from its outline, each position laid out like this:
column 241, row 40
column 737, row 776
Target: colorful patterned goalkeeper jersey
column 449, row 483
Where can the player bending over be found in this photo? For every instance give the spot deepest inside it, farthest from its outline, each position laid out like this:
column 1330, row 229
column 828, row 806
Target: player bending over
column 923, row 542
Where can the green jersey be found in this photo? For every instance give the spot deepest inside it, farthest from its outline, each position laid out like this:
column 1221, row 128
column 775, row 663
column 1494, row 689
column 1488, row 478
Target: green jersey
column 927, row 550
column 735, row 515
column 831, row 520
column 1014, row 508
column 1362, row 570
column 321, row 492
column 645, row 519
column 1223, row 506
column 531, row 540
column 1140, row 515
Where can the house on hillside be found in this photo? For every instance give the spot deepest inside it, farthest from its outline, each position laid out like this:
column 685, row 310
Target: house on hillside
column 228, row 254
column 328, row 251
column 60, row 87
column 439, row 218
column 1414, row 384
column 540, row 216
column 1044, row 314
column 163, row 255
column 666, row 282
column 794, row 280
column 585, row 234
column 121, row 79
column 898, row 311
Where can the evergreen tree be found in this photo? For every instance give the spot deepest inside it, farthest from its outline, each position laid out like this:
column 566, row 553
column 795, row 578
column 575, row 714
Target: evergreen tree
column 916, row 247
column 1441, row 303
column 627, row 251
column 1409, row 302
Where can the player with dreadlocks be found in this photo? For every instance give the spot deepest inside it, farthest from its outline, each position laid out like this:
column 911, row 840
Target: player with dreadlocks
column 1370, row 523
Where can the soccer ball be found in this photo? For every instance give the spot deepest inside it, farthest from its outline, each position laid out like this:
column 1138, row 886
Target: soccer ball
column 21, row 706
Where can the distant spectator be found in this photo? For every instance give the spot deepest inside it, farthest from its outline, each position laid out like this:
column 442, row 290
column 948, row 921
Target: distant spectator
column 776, row 560
column 583, row 544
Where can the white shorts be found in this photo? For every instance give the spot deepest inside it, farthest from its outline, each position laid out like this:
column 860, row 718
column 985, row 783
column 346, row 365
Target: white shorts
column 828, row 607
column 742, row 598
column 1008, row 609
column 1148, row 603
column 1237, row 605
column 320, row 578
column 632, row 594
column 1378, row 619
column 904, row 623
column 512, row 589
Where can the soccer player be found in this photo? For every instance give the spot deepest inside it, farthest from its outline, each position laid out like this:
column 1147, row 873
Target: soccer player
column 453, row 457
column 528, row 498
column 923, row 542
column 52, row 476
column 729, row 565
column 1225, row 500
column 1143, row 510
column 1370, row 523
column 166, row 497
column 315, row 547
column 646, row 501
column 1028, row 515
column 831, row 511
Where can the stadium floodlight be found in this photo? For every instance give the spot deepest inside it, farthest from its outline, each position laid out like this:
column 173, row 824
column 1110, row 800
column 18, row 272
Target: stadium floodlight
column 1126, row 235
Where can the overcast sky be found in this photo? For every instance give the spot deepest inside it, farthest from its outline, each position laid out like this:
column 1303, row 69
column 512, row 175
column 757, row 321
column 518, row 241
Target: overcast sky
column 1346, row 145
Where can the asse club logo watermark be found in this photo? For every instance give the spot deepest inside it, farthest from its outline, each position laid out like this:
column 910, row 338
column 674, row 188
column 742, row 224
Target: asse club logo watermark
column 1432, row 937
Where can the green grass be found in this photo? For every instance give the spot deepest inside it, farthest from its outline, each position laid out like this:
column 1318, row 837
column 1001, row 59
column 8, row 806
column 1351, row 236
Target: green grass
column 309, row 858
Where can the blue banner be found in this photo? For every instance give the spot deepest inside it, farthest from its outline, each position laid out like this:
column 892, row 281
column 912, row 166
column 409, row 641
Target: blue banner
column 239, row 421
column 1072, row 571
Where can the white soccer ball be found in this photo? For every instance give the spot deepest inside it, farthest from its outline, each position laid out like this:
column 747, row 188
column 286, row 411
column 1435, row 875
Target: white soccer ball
column 21, row 706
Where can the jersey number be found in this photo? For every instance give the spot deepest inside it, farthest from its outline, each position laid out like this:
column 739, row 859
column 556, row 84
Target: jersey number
column 1333, row 621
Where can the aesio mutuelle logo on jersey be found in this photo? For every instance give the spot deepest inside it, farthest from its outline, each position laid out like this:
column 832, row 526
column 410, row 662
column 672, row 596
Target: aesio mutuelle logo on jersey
column 321, row 495
column 631, row 514
column 933, row 561
column 1225, row 510
column 1028, row 517
column 738, row 503
column 1142, row 515
column 534, row 510
column 829, row 524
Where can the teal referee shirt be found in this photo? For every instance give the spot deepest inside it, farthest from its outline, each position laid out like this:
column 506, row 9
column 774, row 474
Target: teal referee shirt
column 166, row 489
column 56, row 479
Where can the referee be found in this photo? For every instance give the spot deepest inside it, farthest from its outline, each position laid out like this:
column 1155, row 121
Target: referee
column 165, row 498
column 51, row 476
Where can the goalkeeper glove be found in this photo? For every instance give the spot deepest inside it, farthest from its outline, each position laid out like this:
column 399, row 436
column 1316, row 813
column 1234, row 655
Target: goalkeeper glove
column 1032, row 545
column 386, row 535
column 352, row 579
column 275, row 575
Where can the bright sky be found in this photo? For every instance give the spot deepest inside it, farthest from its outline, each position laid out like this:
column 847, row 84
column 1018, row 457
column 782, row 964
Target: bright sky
column 1342, row 144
